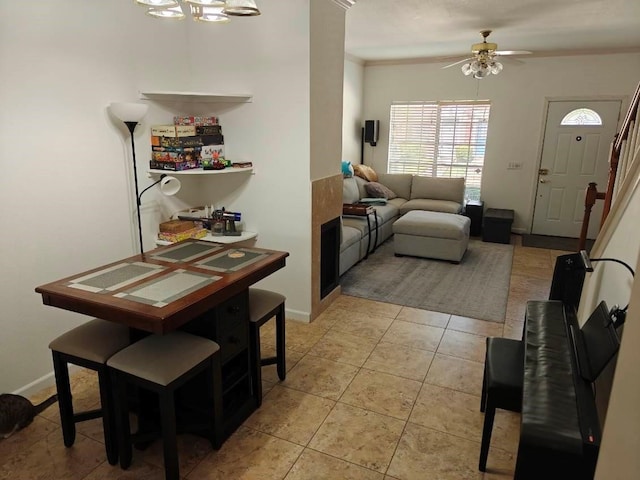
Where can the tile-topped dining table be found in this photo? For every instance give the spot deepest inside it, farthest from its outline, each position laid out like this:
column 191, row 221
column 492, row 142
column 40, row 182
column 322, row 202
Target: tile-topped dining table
column 197, row 286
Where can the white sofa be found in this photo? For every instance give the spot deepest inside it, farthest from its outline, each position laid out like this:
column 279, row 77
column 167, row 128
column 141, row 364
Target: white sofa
column 412, row 192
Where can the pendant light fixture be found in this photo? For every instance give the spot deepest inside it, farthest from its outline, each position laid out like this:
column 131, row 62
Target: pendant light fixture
column 213, row 11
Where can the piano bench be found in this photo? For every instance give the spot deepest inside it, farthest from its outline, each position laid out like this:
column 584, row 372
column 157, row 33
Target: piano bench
column 501, row 385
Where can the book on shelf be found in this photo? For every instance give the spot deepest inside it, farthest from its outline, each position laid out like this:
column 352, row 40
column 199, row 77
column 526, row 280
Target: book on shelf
column 195, row 141
column 193, row 150
column 194, row 120
column 173, row 166
column 173, row 130
column 196, row 232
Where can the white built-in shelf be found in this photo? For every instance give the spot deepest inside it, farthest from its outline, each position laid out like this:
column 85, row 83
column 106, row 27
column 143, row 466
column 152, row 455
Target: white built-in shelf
column 219, row 238
column 200, row 171
column 197, row 97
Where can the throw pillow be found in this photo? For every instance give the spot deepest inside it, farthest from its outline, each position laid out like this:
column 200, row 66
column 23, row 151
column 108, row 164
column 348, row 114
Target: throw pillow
column 377, row 190
column 366, row 172
column 347, row 169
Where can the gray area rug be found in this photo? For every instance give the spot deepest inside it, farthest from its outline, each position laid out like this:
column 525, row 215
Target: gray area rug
column 478, row 287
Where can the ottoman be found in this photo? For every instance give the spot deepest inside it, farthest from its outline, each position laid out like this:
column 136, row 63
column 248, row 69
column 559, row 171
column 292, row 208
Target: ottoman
column 421, row 233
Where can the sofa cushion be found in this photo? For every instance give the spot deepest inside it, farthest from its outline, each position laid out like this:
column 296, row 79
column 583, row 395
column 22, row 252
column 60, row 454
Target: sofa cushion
column 350, row 192
column 359, row 223
column 350, row 236
column 398, row 183
column 428, row 204
column 386, row 213
column 439, row 188
column 362, row 191
column 378, row 190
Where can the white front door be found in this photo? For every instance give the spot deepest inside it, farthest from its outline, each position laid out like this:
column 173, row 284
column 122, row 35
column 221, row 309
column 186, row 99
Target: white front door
column 573, row 155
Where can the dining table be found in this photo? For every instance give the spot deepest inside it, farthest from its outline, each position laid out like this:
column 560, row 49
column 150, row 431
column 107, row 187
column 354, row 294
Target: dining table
column 196, row 286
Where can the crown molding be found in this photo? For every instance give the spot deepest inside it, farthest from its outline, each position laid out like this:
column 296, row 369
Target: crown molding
column 346, row 4
column 558, row 53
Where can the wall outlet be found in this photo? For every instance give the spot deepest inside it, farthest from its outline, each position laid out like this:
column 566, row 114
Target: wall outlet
column 514, row 166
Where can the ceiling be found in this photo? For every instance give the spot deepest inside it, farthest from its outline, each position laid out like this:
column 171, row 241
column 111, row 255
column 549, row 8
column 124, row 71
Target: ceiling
column 439, row 30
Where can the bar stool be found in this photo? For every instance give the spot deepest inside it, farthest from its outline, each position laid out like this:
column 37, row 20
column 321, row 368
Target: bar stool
column 161, row 364
column 90, row 345
column 264, row 305
column 501, row 385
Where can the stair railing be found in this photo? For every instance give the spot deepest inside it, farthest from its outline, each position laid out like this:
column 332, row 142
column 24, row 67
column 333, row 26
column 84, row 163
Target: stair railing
column 621, row 155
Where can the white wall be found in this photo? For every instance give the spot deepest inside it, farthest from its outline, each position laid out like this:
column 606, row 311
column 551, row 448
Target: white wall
column 352, row 118
column 517, row 95
column 66, row 189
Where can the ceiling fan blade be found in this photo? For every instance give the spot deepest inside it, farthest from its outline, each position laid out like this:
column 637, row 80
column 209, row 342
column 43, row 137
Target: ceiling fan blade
column 513, row 52
column 457, row 63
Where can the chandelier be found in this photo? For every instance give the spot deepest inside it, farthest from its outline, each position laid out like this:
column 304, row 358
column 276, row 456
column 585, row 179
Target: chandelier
column 483, row 61
column 482, row 64
column 217, row 11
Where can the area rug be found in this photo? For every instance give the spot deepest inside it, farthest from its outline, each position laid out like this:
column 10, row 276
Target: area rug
column 566, row 244
column 477, row 287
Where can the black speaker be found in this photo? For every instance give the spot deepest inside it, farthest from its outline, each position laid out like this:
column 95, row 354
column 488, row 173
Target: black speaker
column 371, row 128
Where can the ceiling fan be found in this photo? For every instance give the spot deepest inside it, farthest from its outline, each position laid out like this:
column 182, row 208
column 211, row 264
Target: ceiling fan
column 483, row 60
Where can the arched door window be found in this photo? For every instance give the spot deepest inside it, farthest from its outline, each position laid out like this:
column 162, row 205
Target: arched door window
column 582, row 116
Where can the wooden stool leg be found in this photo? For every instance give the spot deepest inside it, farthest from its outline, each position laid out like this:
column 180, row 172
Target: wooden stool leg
column 483, row 399
column 121, row 411
column 215, row 393
column 65, row 403
column 169, row 435
column 486, row 436
column 108, row 420
column 255, row 361
column 280, row 343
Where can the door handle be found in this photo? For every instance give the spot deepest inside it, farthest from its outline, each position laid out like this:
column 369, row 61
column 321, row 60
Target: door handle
column 542, row 180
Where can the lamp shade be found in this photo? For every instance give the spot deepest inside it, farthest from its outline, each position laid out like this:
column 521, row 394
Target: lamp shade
column 129, row 112
column 170, row 185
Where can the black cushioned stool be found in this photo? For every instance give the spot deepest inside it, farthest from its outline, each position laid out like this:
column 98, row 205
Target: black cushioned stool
column 501, row 385
column 161, row 364
column 264, row 305
column 90, row 346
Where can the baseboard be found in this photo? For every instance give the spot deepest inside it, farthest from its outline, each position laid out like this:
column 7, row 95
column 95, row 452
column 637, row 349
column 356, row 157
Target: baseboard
column 46, row 381
column 520, row 231
column 298, row 315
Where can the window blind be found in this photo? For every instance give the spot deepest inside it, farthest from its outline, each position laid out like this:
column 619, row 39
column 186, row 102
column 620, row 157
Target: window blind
column 440, row 139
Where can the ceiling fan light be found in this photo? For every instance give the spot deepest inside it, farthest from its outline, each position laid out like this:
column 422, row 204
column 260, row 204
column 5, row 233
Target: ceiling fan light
column 206, row 3
column 209, row 14
column 157, row 3
column 496, row 68
column 241, row 8
column 173, row 12
column 466, row 69
column 481, row 73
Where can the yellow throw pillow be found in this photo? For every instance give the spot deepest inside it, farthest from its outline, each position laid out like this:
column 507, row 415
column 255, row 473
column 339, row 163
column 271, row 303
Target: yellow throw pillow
column 366, row 172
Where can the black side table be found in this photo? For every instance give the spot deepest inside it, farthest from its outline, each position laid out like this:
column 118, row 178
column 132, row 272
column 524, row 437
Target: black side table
column 474, row 209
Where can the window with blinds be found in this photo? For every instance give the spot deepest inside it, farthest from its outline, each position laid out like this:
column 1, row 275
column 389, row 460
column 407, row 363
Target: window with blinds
column 440, row 139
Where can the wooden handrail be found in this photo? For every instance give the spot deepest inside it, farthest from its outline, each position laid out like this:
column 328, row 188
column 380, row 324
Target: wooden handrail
column 592, row 194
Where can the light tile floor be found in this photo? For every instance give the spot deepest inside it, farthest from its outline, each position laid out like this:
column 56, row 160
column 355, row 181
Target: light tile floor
column 373, row 391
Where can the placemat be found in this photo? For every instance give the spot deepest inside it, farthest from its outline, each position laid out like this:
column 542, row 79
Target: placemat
column 230, row 260
column 115, row 277
column 160, row 292
column 186, row 252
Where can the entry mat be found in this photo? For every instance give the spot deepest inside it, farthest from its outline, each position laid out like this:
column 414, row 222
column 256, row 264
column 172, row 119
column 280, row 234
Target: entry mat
column 186, row 252
column 230, row 260
column 160, row 292
column 115, row 277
